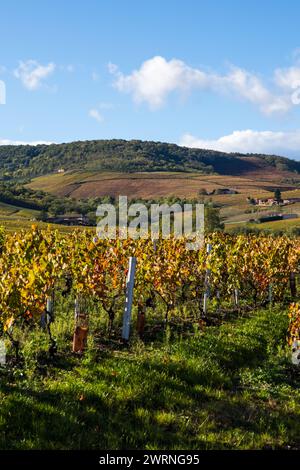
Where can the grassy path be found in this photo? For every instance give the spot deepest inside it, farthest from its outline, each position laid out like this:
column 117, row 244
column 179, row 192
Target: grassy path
column 230, row 387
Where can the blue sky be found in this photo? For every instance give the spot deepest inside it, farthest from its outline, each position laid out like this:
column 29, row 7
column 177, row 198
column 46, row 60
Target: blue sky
column 218, row 74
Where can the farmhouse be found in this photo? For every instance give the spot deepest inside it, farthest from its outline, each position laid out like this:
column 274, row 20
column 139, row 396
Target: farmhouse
column 271, row 202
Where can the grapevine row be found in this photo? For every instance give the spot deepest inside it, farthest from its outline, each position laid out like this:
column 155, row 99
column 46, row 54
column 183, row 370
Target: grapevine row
column 34, row 263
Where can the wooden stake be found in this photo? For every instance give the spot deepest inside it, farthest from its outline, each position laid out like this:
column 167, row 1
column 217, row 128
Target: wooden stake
column 81, row 329
column 206, row 282
column 236, row 297
column 270, row 293
column 293, row 286
column 47, row 316
column 50, row 309
column 129, row 298
column 77, row 308
column 141, row 320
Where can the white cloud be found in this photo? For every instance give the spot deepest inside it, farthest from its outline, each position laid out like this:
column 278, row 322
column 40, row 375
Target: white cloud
column 250, row 141
column 249, row 87
column 19, row 142
column 288, row 78
column 95, row 114
column 32, row 74
column 157, row 78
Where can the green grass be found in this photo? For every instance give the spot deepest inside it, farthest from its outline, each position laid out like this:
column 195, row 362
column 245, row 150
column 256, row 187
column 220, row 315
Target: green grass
column 229, row 387
column 13, row 210
column 286, row 224
column 280, row 224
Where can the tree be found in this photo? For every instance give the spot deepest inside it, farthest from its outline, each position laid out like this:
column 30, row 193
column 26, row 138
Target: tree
column 43, row 215
column 212, row 219
column 202, row 192
column 251, row 200
column 277, row 195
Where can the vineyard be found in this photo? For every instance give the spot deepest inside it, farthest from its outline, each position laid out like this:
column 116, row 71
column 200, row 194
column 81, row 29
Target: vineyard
column 38, row 267
column 205, row 365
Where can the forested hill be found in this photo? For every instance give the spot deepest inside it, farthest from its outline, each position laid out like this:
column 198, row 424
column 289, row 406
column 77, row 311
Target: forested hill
column 131, row 156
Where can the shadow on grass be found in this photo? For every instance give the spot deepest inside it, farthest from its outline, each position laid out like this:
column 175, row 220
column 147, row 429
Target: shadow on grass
column 181, row 397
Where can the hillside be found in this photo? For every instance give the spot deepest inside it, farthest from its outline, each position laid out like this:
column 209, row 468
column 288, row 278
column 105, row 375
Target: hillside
column 132, row 156
column 30, row 179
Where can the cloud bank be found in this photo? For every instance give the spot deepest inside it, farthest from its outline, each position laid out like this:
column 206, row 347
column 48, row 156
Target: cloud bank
column 19, row 142
column 250, row 141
